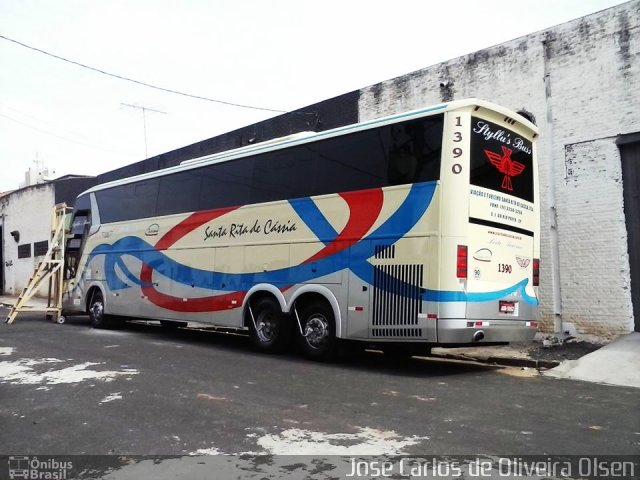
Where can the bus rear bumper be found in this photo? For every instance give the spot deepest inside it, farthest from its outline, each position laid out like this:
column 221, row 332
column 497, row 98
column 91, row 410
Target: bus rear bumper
column 472, row 332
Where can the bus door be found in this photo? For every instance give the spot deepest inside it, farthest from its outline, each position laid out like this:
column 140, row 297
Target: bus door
column 77, row 236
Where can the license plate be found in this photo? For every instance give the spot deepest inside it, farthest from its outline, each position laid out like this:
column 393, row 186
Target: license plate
column 508, row 307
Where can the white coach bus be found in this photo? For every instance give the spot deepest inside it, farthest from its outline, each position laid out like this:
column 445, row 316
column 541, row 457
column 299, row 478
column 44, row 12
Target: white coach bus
column 405, row 232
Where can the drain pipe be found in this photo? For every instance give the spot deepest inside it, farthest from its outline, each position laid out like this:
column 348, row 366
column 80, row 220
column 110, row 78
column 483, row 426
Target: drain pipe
column 551, row 197
column 2, row 265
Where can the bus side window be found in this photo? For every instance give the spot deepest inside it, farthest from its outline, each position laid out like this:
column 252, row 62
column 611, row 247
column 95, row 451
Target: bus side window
column 80, row 221
column 414, row 151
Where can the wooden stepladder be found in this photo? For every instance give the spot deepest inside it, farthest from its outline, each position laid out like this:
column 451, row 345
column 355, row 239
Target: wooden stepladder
column 51, row 269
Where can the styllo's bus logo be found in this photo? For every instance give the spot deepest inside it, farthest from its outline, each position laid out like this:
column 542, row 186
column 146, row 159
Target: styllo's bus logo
column 505, row 165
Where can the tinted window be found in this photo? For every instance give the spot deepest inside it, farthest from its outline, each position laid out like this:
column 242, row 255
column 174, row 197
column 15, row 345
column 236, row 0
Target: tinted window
column 282, row 174
column 179, row 193
column 501, row 160
column 226, row 184
column 414, row 152
column 127, row 202
column 390, row 155
column 395, row 154
column 352, row 162
column 82, row 203
column 79, row 223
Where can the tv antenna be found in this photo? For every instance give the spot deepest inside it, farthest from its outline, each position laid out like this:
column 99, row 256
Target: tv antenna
column 144, row 120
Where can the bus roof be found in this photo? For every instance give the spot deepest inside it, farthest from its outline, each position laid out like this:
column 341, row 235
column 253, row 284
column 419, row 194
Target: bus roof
column 307, row 137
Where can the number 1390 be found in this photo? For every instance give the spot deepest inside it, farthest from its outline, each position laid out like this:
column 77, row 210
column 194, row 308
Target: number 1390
column 504, row 268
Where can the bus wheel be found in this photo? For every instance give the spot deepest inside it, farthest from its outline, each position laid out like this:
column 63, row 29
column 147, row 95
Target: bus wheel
column 318, row 338
column 96, row 311
column 271, row 332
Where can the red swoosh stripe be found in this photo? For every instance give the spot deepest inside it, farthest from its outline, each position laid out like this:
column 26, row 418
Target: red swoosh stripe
column 364, row 209
column 193, row 305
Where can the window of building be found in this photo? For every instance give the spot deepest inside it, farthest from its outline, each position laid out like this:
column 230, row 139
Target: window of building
column 24, row 250
column 40, row 248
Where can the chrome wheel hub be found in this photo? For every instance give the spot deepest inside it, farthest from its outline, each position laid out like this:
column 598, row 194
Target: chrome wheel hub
column 266, row 327
column 316, row 331
column 97, row 309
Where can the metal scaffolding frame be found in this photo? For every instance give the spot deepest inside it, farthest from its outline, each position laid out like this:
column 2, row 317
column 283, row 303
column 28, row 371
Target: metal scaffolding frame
column 51, row 269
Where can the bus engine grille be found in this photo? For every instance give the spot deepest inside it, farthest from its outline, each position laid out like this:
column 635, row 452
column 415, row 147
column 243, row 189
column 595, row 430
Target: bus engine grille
column 397, row 301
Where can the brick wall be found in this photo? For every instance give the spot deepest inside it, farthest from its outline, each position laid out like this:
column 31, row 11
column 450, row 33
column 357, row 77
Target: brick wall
column 581, row 80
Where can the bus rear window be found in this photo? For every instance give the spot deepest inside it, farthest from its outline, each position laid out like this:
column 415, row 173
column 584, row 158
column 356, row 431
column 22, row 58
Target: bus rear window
column 501, row 160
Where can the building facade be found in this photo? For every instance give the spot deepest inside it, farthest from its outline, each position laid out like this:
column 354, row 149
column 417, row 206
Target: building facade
column 580, row 81
column 25, row 227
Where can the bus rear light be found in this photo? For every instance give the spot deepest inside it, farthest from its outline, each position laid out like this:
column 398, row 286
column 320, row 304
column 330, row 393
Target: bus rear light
column 532, row 324
column 536, row 272
column 461, row 262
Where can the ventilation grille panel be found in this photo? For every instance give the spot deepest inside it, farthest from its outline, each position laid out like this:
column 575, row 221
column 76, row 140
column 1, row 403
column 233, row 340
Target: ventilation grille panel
column 397, row 301
column 385, row 251
column 396, row 332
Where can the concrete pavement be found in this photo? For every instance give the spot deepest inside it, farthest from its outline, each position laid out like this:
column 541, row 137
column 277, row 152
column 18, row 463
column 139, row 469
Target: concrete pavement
column 71, row 389
column 618, row 363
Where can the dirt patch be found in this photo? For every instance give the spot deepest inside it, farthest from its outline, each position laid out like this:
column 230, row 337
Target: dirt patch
column 568, row 350
column 522, row 372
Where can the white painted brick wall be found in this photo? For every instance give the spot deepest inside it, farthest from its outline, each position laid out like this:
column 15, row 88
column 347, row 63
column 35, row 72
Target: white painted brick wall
column 29, row 212
column 592, row 69
column 594, row 265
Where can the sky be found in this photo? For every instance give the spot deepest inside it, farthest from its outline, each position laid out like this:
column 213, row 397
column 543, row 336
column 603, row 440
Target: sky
column 277, row 55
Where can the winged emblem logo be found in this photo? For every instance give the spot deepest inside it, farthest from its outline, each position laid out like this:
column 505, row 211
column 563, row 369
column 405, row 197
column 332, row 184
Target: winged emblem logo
column 523, row 262
column 505, row 165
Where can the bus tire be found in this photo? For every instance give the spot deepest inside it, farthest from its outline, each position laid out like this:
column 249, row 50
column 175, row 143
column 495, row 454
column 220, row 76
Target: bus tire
column 96, row 312
column 318, row 338
column 271, row 332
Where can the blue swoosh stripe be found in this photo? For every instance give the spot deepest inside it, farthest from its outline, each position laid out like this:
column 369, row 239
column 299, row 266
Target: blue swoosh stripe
column 311, row 215
column 356, row 258
column 448, row 296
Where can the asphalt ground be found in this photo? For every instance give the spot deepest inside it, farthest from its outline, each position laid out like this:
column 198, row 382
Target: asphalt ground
column 142, row 390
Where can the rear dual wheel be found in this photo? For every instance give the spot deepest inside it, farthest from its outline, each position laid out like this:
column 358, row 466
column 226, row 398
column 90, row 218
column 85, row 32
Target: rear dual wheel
column 271, row 329
column 318, row 337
